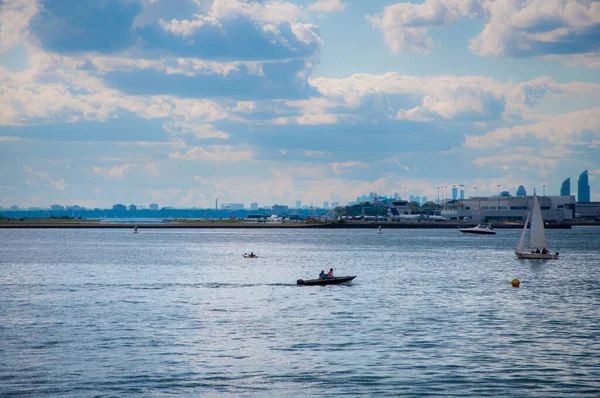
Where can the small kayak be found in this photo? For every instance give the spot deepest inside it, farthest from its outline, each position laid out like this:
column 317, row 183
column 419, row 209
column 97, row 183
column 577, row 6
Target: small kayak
column 333, row 281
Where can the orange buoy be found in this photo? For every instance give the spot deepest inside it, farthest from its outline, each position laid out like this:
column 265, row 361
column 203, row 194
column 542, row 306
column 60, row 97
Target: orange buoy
column 515, row 283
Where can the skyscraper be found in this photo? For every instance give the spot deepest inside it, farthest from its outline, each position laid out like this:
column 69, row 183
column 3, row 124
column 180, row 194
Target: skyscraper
column 583, row 188
column 454, row 193
column 521, row 192
column 565, row 188
column 298, row 204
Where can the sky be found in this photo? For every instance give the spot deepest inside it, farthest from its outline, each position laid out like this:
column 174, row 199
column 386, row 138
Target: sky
column 184, row 102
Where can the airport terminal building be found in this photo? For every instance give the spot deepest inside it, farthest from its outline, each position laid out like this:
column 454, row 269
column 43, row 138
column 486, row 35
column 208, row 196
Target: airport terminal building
column 510, row 208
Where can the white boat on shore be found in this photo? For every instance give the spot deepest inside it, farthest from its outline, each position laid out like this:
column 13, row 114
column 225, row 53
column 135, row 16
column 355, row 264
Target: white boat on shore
column 537, row 245
column 480, row 229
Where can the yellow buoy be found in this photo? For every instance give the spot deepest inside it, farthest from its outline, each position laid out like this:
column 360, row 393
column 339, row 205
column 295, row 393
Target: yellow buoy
column 515, row 283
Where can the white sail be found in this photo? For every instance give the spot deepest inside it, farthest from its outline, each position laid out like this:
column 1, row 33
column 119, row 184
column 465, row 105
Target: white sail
column 521, row 247
column 537, row 235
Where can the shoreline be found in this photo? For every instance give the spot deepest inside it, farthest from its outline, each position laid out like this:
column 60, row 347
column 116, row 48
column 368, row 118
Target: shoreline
column 287, row 225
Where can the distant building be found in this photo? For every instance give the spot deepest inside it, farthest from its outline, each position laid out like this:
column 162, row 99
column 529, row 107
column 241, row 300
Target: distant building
column 298, row 204
column 565, row 188
column 508, row 208
column 462, row 194
column 521, row 192
column 505, row 194
column 335, row 204
column 326, row 205
column 418, row 199
column 232, row 206
column 279, row 209
column 396, row 196
column 57, row 208
column 132, row 207
column 14, row 208
column 423, row 200
column 119, row 207
column 253, row 206
column 411, row 198
column 454, row 193
column 153, row 206
column 583, row 188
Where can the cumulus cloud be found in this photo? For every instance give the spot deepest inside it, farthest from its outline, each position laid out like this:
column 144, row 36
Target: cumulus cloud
column 219, row 153
column 114, row 172
column 405, row 26
column 14, row 20
column 340, row 167
column 201, row 131
column 326, row 6
column 35, row 176
column 513, row 28
column 574, row 128
column 524, row 28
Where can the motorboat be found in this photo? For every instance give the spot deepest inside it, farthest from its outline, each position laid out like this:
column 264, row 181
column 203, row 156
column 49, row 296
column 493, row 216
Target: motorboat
column 327, row 281
column 537, row 244
column 481, row 229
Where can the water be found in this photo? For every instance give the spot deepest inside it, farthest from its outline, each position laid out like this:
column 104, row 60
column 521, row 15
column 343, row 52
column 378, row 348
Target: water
column 98, row 312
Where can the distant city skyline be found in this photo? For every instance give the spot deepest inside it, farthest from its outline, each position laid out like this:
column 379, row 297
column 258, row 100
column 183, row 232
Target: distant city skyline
column 278, row 101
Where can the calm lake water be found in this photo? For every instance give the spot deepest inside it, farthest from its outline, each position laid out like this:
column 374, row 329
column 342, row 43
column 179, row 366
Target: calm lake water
column 105, row 312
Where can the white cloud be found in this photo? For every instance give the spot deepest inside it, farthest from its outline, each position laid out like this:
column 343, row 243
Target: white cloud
column 34, row 176
column 520, row 28
column 115, row 172
column 574, row 128
column 14, row 20
column 470, row 98
column 9, row 139
column 405, row 26
column 218, row 153
column 339, row 167
column 201, row 131
column 188, row 28
column 326, row 6
column 60, row 184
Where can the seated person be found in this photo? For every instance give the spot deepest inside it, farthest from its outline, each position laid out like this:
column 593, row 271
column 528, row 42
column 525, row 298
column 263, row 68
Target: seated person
column 322, row 274
column 544, row 251
column 330, row 274
column 537, row 251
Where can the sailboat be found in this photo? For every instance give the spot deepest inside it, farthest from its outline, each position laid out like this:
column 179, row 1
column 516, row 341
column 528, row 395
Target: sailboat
column 537, row 247
column 379, row 230
column 135, row 231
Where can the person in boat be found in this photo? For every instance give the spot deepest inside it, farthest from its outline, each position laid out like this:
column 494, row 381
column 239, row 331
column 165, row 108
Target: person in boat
column 537, row 251
column 544, row 251
column 330, row 274
column 251, row 254
column 322, row 274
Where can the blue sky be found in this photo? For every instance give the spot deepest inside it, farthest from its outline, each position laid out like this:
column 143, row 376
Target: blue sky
column 184, row 102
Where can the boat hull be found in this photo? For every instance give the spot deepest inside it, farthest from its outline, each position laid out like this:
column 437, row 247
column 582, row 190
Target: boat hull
column 250, row 256
column 477, row 232
column 536, row 256
column 332, row 281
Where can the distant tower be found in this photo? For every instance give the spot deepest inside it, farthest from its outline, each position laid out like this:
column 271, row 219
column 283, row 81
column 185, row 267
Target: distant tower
column 565, row 188
column 521, row 192
column 583, row 188
column 454, row 193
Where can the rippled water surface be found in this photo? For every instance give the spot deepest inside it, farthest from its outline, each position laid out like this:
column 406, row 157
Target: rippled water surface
column 105, row 312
